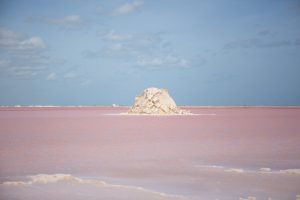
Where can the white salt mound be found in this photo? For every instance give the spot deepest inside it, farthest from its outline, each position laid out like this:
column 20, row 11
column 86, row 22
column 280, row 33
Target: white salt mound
column 155, row 101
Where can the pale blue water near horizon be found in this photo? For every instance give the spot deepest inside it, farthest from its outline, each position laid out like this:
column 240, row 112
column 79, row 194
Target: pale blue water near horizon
column 99, row 153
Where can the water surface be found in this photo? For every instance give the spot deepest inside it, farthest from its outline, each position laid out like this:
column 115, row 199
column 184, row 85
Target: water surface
column 93, row 152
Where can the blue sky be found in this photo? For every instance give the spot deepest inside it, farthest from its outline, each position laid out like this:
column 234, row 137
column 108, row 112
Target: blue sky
column 89, row 52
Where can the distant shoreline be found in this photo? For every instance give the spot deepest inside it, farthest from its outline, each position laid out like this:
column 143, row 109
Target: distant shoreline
column 52, row 107
column 183, row 106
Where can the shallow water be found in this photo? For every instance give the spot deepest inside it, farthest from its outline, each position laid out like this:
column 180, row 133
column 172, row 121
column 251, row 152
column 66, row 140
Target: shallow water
column 220, row 153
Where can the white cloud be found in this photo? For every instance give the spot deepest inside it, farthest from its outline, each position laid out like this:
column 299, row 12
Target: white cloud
column 127, row 8
column 71, row 19
column 76, row 75
column 32, row 43
column 6, row 33
column 116, row 50
column 169, row 60
column 52, row 76
column 256, row 43
column 26, row 74
column 116, row 47
column 112, row 50
column 122, row 45
column 100, row 10
column 22, row 56
column 113, row 36
column 85, row 82
column 23, row 70
column 69, row 22
column 143, row 52
column 10, row 40
column 4, row 63
column 70, row 75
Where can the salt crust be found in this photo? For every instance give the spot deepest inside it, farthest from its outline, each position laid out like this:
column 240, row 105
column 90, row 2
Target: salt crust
column 156, row 101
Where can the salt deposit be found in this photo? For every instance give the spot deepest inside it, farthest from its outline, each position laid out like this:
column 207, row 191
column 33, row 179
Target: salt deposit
column 48, row 184
column 155, row 101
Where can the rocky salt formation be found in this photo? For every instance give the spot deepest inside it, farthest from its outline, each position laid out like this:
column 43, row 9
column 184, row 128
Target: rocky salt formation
column 155, row 101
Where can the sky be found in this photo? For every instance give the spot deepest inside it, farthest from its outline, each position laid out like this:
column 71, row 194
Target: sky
column 104, row 52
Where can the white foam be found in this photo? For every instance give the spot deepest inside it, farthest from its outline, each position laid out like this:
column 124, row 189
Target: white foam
column 290, row 171
column 170, row 114
column 221, row 168
column 14, row 183
column 211, row 166
column 264, row 170
column 43, row 179
column 53, row 178
column 236, row 170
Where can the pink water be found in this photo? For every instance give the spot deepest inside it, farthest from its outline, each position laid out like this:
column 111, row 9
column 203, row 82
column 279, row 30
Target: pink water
column 217, row 154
